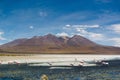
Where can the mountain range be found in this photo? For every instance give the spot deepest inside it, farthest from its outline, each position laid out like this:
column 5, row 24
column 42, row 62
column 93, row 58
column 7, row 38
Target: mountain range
column 53, row 44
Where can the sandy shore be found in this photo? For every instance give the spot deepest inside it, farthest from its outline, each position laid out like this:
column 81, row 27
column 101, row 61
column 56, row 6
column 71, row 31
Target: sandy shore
column 54, row 58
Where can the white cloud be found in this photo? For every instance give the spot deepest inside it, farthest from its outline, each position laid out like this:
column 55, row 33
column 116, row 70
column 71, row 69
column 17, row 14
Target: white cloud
column 80, row 27
column 68, row 25
column 82, row 30
column 91, row 35
column 86, row 26
column 88, row 32
column 1, row 33
column 116, row 41
column 62, row 34
column 96, row 36
column 2, row 38
column 115, row 28
column 31, row 27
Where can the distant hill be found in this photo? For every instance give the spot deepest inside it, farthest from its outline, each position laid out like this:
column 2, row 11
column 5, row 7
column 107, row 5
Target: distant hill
column 53, row 44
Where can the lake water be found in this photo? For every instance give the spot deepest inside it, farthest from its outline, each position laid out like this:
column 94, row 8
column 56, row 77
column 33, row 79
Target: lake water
column 24, row 72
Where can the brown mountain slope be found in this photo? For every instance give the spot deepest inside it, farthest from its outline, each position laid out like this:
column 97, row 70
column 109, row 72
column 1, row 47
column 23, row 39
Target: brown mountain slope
column 80, row 41
column 14, row 43
column 52, row 44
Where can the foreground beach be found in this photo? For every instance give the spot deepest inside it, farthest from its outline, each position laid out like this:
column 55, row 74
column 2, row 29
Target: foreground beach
column 37, row 65
column 55, row 59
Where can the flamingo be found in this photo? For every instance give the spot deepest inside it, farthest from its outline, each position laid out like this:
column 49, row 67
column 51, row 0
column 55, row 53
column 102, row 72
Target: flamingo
column 1, row 62
column 15, row 62
column 10, row 62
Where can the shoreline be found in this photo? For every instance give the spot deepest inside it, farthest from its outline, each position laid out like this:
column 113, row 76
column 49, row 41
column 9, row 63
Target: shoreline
column 48, row 58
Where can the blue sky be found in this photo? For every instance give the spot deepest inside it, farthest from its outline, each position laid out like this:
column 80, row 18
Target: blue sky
column 98, row 20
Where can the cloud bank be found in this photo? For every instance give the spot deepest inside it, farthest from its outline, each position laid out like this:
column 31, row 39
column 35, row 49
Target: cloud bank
column 116, row 41
column 90, row 32
column 83, row 31
column 2, row 38
column 115, row 28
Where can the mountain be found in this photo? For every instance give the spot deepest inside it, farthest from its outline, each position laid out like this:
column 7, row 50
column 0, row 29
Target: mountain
column 14, row 43
column 79, row 41
column 53, row 44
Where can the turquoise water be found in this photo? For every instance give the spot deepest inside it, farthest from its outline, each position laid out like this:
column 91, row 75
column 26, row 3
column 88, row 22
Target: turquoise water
column 24, row 72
